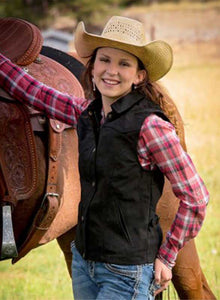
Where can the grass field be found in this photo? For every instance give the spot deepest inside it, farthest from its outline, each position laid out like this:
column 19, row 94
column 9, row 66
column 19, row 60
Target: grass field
column 194, row 84
column 42, row 274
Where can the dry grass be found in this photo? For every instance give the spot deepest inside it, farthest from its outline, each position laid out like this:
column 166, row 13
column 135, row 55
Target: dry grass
column 181, row 22
column 195, row 85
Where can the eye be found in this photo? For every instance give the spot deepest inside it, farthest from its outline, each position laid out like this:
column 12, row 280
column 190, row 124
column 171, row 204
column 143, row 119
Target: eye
column 104, row 59
column 124, row 64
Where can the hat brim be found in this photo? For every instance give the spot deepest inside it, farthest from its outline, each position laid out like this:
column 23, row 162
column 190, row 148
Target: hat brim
column 157, row 56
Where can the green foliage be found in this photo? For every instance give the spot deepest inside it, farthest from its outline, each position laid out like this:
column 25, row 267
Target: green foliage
column 90, row 11
column 37, row 10
column 31, row 10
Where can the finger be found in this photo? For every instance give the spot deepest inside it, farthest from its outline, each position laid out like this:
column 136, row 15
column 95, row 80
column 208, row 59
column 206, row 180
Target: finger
column 162, row 288
column 164, row 281
column 159, row 291
column 157, row 277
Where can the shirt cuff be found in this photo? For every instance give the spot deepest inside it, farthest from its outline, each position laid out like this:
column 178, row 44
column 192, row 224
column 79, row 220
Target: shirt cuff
column 167, row 255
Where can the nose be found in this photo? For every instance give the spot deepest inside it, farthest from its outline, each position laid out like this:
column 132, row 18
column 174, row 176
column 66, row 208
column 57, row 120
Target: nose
column 112, row 69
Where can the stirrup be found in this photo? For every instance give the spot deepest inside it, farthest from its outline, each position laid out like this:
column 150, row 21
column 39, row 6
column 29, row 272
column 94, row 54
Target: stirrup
column 9, row 249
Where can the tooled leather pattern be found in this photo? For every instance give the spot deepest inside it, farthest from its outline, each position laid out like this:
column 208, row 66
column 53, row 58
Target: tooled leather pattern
column 17, row 151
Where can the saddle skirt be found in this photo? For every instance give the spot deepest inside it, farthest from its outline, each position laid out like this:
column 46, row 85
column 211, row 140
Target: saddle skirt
column 18, row 160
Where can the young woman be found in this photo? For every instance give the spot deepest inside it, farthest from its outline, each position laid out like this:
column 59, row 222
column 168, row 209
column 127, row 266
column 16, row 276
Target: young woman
column 126, row 147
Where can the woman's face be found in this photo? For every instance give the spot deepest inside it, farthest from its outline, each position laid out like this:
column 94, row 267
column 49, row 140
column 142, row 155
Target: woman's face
column 114, row 72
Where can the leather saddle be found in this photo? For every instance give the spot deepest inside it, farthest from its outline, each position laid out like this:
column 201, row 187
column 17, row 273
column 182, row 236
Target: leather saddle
column 22, row 42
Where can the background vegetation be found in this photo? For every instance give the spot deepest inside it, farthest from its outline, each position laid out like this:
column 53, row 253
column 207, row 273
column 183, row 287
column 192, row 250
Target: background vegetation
column 192, row 28
column 42, row 12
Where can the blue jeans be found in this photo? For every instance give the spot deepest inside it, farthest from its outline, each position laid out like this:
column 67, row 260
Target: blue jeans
column 103, row 281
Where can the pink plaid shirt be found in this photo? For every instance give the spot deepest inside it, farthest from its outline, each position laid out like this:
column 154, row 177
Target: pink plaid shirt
column 158, row 145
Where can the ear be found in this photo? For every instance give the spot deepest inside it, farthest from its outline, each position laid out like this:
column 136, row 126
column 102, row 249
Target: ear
column 141, row 74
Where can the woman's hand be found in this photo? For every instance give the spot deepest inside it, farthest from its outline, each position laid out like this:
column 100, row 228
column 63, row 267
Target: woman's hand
column 162, row 275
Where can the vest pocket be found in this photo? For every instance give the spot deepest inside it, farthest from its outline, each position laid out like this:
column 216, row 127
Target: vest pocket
column 86, row 158
column 121, row 222
column 155, row 236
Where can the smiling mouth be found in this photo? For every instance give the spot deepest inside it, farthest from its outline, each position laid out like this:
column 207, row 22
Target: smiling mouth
column 110, row 81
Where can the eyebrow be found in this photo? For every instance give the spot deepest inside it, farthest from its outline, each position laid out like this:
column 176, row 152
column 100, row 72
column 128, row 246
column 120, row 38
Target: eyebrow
column 123, row 58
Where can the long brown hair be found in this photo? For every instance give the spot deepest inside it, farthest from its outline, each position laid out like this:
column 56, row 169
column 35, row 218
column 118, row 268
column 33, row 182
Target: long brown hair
column 86, row 79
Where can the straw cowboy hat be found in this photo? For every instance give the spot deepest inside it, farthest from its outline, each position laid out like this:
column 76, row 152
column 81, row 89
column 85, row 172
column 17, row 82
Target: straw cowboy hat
column 128, row 35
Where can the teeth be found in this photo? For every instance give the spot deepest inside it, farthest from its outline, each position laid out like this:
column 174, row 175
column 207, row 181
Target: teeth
column 110, row 81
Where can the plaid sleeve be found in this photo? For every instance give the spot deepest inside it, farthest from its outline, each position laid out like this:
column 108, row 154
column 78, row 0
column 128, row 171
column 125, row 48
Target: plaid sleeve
column 160, row 146
column 26, row 89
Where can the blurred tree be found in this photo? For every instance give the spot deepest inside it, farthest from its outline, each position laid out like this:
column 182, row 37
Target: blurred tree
column 93, row 12
column 28, row 9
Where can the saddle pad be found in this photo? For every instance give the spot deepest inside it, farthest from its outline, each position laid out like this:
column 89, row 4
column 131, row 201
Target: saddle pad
column 17, row 150
column 70, row 62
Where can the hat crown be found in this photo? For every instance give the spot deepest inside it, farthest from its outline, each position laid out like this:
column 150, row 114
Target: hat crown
column 125, row 30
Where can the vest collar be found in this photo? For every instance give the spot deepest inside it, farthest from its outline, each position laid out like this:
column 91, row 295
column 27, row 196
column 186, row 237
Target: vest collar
column 125, row 103
column 121, row 105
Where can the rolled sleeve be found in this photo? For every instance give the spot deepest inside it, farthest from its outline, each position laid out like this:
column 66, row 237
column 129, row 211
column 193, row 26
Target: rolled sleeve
column 161, row 147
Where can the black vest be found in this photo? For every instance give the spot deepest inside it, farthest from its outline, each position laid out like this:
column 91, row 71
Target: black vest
column 117, row 221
